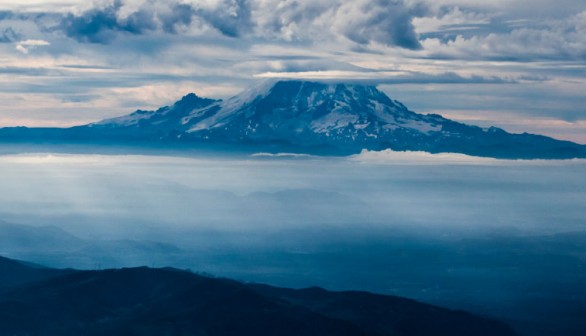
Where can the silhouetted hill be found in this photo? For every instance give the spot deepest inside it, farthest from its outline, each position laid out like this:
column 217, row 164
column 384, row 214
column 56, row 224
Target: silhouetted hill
column 387, row 315
column 14, row 273
column 144, row 301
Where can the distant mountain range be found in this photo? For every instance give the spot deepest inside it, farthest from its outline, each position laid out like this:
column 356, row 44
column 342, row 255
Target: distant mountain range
column 146, row 301
column 302, row 117
column 55, row 246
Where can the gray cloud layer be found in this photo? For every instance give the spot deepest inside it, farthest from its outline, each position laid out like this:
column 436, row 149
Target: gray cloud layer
column 459, row 32
column 102, row 24
column 388, row 22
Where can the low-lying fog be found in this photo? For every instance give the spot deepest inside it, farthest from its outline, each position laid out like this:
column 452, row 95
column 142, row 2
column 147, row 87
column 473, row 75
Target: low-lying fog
column 503, row 238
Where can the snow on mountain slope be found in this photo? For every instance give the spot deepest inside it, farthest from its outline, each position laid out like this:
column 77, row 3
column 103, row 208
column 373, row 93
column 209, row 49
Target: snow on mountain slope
column 286, row 108
column 168, row 116
column 226, row 110
column 308, row 112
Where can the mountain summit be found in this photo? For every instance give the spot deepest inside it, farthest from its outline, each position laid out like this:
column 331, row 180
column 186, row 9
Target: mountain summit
column 299, row 113
column 313, row 117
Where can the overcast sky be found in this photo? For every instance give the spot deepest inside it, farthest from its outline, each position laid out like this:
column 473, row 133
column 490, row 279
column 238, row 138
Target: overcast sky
column 518, row 64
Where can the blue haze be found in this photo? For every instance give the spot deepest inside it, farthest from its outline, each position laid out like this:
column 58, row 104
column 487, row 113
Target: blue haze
column 501, row 238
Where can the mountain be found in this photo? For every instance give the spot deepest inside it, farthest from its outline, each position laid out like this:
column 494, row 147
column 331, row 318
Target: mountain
column 55, row 246
column 17, row 273
column 307, row 117
column 145, row 301
column 16, row 238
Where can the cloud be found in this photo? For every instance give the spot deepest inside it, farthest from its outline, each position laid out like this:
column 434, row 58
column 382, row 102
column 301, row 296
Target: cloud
column 382, row 21
column 443, row 29
column 388, row 156
column 100, row 25
column 35, row 6
column 26, row 46
column 362, row 22
column 8, row 35
column 386, row 22
column 231, row 18
column 462, row 34
column 387, row 77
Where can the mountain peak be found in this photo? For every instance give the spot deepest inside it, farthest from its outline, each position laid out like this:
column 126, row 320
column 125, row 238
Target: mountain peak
column 310, row 113
column 192, row 100
column 165, row 117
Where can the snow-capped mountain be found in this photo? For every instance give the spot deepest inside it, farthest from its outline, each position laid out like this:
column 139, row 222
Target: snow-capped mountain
column 324, row 117
column 304, row 113
column 301, row 117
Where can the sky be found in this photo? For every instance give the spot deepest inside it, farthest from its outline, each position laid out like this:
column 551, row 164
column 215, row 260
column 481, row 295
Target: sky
column 516, row 64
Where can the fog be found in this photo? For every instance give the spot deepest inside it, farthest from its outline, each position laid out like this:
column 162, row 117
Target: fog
column 501, row 238
column 117, row 193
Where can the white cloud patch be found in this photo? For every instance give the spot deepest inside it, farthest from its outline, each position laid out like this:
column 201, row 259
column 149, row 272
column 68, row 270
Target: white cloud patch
column 27, row 45
column 389, row 156
column 503, row 30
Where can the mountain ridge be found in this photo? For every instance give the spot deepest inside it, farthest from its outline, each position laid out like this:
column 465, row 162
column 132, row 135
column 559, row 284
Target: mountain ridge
column 308, row 117
column 163, row 301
